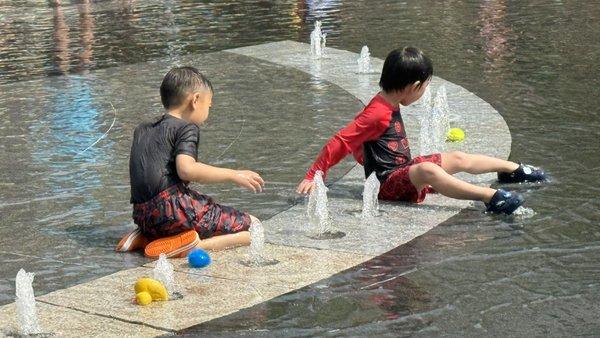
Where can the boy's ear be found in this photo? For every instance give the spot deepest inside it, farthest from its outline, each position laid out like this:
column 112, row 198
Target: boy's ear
column 195, row 99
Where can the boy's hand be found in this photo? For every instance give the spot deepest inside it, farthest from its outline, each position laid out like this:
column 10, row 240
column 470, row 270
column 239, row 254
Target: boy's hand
column 305, row 187
column 249, row 180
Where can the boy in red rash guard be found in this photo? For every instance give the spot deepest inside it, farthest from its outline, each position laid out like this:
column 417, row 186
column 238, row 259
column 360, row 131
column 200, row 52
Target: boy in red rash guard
column 377, row 139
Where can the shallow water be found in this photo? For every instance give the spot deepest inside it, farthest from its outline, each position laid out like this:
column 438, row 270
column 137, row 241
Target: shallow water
column 475, row 274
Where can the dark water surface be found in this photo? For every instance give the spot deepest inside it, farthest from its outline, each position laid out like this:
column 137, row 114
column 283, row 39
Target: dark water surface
column 535, row 61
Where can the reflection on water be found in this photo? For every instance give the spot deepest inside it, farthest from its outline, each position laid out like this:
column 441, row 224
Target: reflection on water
column 313, row 10
column 473, row 275
column 71, row 122
column 88, row 34
column 498, row 48
column 86, row 22
column 62, row 42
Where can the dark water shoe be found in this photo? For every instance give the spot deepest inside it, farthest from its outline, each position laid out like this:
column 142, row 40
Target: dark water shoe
column 504, row 202
column 524, row 173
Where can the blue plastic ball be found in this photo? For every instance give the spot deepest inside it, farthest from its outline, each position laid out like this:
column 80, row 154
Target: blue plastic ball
column 198, row 258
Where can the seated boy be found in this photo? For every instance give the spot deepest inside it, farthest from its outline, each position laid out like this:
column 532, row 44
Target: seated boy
column 163, row 161
column 377, row 139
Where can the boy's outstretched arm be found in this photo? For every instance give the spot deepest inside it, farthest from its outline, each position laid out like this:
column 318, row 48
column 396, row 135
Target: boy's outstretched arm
column 366, row 126
column 190, row 170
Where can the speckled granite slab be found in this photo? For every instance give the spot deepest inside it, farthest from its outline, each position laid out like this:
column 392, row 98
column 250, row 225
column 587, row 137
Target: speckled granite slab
column 203, row 299
column 287, row 267
column 226, row 286
column 61, row 321
column 103, row 306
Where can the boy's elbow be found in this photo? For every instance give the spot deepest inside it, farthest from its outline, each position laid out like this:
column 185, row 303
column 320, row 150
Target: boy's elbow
column 183, row 175
column 184, row 165
column 184, row 172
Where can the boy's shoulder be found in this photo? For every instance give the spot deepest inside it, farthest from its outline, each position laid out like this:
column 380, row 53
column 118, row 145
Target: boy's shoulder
column 167, row 122
column 379, row 103
column 377, row 108
column 175, row 122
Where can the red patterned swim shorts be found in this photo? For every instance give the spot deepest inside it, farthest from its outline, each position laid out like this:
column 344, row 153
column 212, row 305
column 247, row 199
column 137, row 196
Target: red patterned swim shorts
column 179, row 208
column 398, row 187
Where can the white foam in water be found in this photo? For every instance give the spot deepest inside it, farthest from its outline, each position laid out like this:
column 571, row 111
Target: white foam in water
column 163, row 272
column 435, row 123
column 370, row 197
column 364, row 61
column 317, row 211
column 25, row 302
column 257, row 242
column 523, row 212
column 318, row 40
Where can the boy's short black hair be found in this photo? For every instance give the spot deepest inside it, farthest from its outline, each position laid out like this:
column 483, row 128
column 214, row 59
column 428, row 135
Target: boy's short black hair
column 180, row 82
column 403, row 67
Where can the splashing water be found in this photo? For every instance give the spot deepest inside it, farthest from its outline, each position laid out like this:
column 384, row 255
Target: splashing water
column 523, row 212
column 370, row 197
column 258, row 256
column 443, row 115
column 364, row 61
column 435, row 123
column 26, row 311
column 163, row 272
column 318, row 40
column 425, row 141
column 257, row 242
column 317, row 211
column 426, row 100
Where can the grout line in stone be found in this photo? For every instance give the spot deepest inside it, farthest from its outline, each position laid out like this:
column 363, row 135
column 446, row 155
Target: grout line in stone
column 135, row 322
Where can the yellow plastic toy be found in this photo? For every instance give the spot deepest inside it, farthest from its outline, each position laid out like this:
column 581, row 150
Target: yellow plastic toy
column 148, row 290
column 455, row 135
column 143, row 298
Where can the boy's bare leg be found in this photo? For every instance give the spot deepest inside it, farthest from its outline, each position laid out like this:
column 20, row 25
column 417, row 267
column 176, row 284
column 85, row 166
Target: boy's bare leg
column 225, row 241
column 457, row 161
column 222, row 242
column 428, row 173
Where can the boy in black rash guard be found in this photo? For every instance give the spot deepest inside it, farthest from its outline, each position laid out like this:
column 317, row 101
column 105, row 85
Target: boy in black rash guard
column 163, row 161
column 377, row 139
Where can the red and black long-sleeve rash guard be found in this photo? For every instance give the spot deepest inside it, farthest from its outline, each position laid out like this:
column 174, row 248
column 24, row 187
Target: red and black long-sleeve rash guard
column 376, row 137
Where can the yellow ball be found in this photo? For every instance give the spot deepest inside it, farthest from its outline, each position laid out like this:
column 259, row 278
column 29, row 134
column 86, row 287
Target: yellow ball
column 455, row 135
column 143, row 298
column 153, row 287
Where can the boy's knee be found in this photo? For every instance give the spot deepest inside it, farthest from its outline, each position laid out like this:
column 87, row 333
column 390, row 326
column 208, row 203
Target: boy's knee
column 460, row 159
column 427, row 170
column 458, row 155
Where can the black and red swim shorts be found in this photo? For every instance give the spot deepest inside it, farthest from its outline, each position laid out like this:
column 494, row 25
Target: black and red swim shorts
column 179, row 208
column 398, row 187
